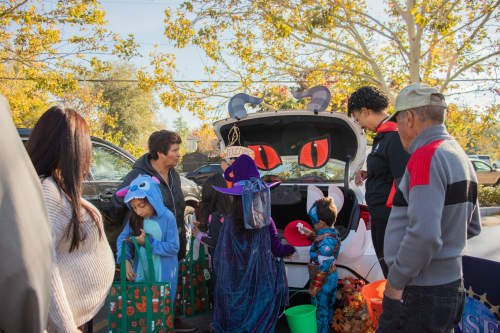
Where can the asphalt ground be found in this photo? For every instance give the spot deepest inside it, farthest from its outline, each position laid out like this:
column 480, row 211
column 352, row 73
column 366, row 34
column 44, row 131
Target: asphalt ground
column 101, row 319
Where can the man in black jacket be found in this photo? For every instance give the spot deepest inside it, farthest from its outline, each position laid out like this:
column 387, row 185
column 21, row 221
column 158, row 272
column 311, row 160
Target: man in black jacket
column 163, row 156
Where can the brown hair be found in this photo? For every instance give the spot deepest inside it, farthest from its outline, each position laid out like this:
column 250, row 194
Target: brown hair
column 161, row 141
column 59, row 146
column 327, row 211
column 136, row 222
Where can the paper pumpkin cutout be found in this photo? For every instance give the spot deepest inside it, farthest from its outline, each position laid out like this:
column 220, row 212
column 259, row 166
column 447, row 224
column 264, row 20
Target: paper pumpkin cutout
column 356, row 247
column 337, row 195
column 315, row 153
column 265, row 156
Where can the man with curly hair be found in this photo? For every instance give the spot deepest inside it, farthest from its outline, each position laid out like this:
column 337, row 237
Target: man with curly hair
column 385, row 164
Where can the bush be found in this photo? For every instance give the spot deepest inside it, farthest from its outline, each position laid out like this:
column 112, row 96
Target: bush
column 488, row 196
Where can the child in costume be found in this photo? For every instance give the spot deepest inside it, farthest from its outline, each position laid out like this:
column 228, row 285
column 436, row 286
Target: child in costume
column 215, row 206
column 149, row 217
column 324, row 252
column 251, row 284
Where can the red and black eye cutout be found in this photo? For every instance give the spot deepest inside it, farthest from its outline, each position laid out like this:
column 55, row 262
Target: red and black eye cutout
column 266, row 157
column 315, row 152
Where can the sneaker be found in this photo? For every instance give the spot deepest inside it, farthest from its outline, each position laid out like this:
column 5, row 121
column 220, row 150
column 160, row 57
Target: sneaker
column 183, row 326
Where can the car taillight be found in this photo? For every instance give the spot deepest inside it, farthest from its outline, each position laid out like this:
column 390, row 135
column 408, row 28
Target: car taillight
column 363, row 214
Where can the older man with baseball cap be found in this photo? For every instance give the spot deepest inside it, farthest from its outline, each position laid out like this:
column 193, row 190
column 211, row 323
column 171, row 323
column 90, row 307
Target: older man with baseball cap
column 434, row 212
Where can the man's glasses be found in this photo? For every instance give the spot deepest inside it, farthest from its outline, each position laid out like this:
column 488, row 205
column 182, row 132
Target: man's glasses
column 356, row 119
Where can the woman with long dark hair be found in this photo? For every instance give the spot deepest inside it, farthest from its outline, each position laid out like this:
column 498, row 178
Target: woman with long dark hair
column 83, row 266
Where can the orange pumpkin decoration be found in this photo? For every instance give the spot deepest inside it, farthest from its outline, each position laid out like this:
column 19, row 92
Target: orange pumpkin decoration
column 169, row 321
column 130, row 310
column 167, row 310
column 197, row 304
column 195, row 282
column 179, row 289
column 200, row 277
column 189, row 311
column 113, row 291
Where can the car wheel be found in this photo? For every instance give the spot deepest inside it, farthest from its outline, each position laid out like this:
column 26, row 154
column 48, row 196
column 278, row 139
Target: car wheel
column 495, row 165
column 188, row 216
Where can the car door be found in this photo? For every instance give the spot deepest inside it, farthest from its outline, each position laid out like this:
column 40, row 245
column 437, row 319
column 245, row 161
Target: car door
column 216, row 168
column 484, row 172
column 109, row 168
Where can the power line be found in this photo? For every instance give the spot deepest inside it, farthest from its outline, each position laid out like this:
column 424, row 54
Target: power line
column 211, row 81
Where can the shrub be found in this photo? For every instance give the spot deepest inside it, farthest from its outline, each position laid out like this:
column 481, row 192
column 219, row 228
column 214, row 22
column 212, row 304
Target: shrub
column 488, row 196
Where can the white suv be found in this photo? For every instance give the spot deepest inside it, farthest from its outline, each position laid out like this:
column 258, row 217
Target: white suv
column 287, row 131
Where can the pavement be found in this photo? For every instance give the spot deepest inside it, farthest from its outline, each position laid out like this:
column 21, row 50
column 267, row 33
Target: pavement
column 101, row 319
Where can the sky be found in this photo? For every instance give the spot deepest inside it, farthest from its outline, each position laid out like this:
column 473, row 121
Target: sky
column 144, row 19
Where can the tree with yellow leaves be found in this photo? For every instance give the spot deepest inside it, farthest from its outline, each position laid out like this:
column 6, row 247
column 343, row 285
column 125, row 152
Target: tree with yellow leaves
column 258, row 41
column 51, row 45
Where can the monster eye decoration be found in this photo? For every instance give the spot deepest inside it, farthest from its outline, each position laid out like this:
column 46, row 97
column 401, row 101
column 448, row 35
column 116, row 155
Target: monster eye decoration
column 315, row 152
column 266, row 157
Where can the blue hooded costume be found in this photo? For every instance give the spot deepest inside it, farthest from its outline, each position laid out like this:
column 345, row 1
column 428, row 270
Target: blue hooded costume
column 161, row 230
column 324, row 252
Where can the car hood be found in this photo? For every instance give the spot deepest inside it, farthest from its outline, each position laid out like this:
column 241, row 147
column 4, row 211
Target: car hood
column 286, row 129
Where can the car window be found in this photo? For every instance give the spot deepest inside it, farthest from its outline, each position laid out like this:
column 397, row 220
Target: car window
column 108, row 164
column 480, row 166
column 206, row 168
column 216, row 168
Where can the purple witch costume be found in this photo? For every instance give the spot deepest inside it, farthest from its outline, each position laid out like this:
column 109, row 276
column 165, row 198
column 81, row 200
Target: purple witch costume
column 251, row 282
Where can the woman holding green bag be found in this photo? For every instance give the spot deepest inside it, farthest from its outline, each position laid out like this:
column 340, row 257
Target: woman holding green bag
column 149, row 216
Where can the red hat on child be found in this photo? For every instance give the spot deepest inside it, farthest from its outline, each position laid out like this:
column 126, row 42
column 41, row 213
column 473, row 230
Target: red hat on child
column 293, row 235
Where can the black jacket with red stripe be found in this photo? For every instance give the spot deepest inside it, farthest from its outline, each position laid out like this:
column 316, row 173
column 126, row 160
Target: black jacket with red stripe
column 385, row 163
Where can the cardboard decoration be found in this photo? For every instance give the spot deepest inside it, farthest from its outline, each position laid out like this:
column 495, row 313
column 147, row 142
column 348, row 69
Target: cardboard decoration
column 236, row 106
column 294, row 237
column 337, row 195
column 236, row 151
column 265, row 156
column 313, row 194
column 315, row 153
column 477, row 318
column 320, row 97
column 356, row 248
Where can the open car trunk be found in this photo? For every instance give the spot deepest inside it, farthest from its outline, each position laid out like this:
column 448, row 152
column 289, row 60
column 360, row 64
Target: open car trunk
column 283, row 214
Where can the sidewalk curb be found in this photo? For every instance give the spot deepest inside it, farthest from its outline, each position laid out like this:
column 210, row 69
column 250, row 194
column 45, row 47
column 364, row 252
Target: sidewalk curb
column 484, row 211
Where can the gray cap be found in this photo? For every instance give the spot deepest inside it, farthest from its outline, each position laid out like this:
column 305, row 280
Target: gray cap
column 415, row 96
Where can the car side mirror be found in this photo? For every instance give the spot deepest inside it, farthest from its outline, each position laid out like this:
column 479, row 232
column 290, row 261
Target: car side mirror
column 199, row 172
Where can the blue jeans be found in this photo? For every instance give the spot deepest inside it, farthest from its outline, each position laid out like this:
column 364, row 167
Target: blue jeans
column 434, row 309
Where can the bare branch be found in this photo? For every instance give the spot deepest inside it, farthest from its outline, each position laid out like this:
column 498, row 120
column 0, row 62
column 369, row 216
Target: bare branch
column 461, row 70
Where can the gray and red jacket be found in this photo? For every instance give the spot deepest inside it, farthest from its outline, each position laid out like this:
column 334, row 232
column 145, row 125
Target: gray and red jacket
column 434, row 212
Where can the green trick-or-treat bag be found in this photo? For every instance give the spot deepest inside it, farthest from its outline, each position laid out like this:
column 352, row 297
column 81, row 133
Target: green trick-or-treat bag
column 143, row 307
column 192, row 288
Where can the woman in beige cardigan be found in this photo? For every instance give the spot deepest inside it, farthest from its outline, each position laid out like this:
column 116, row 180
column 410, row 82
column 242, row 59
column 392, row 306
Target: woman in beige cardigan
column 83, row 265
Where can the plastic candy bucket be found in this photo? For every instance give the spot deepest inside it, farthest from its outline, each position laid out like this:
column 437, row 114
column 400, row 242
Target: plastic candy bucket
column 302, row 318
column 370, row 292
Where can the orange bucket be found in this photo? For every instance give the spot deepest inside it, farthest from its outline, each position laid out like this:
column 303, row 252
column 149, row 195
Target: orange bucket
column 372, row 293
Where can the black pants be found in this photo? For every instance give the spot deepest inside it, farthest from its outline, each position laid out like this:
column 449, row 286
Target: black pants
column 424, row 309
column 88, row 327
column 378, row 234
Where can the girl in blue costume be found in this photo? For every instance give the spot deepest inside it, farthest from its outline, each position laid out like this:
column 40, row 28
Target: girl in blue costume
column 150, row 217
